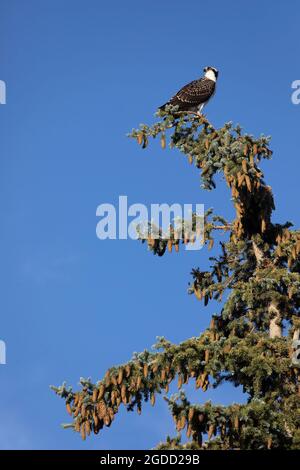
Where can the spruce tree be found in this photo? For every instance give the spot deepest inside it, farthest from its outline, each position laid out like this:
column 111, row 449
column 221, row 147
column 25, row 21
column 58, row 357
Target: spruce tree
column 253, row 341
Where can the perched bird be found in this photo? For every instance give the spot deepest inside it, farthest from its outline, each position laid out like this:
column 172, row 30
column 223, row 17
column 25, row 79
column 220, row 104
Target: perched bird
column 195, row 95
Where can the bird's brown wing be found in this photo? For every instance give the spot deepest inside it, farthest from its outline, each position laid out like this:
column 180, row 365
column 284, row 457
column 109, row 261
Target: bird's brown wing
column 193, row 94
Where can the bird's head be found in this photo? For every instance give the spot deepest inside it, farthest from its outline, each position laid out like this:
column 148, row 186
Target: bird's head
column 211, row 73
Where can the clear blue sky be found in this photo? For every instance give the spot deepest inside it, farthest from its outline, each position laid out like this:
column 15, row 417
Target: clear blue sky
column 80, row 74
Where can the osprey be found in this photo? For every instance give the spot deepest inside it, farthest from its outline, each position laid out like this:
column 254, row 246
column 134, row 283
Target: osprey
column 195, row 95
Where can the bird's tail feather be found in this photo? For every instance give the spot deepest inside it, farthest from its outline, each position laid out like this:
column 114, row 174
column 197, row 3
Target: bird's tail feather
column 162, row 107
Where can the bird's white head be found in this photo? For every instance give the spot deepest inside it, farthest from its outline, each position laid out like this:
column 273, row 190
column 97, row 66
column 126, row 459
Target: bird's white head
column 211, row 73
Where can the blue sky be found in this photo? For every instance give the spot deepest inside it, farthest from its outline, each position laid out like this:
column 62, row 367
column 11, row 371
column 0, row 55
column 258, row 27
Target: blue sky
column 79, row 75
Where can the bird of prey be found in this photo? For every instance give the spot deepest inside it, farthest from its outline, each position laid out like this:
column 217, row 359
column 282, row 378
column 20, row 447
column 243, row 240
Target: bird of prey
column 195, row 95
